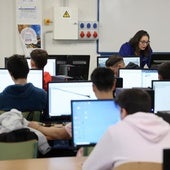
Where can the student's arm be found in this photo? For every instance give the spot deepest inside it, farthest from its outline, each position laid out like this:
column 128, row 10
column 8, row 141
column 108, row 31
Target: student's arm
column 51, row 133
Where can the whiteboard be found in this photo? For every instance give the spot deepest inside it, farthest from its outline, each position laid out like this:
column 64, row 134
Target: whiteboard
column 119, row 20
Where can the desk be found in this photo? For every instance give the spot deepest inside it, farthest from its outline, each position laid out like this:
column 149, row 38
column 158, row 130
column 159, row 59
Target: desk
column 59, row 163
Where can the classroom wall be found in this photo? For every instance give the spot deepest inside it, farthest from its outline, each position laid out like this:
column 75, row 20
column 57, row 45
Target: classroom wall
column 10, row 42
column 7, row 29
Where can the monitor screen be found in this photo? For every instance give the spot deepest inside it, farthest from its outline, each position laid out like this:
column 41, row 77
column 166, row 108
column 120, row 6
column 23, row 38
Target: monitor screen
column 60, row 95
column 138, row 77
column 158, row 58
column 133, row 59
column 49, row 67
column 34, row 76
column 101, row 60
column 150, row 91
column 162, row 92
column 86, row 114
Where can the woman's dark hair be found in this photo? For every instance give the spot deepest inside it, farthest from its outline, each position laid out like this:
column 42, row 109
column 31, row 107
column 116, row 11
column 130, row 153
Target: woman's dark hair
column 134, row 42
column 134, row 100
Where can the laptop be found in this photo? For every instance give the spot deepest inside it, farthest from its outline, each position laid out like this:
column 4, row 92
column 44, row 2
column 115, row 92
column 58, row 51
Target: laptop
column 138, row 77
column 91, row 118
column 60, row 95
column 161, row 95
column 34, row 76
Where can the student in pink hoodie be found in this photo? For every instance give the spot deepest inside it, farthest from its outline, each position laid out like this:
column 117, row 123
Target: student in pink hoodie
column 140, row 136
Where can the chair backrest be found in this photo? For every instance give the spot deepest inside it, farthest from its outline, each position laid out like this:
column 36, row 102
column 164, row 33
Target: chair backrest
column 18, row 150
column 139, row 166
column 32, row 115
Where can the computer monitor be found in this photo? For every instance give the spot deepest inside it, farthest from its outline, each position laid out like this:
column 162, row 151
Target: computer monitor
column 60, row 61
column 86, row 114
column 77, row 67
column 150, row 91
column 34, row 76
column 158, row 58
column 133, row 59
column 161, row 95
column 101, row 60
column 138, row 77
column 60, row 95
column 49, row 67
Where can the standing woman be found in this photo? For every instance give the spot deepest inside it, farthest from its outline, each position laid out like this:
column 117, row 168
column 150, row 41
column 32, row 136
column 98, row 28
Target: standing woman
column 138, row 45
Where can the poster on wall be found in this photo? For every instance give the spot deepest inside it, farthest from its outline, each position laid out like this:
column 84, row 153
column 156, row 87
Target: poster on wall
column 29, row 24
column 30, row 35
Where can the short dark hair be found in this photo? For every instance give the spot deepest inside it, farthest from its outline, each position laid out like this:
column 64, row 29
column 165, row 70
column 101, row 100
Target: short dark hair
column 103, row 78
column 113, row 60
column 164, row 70
column 18, row 67
column 39, row 56
column 134, row 100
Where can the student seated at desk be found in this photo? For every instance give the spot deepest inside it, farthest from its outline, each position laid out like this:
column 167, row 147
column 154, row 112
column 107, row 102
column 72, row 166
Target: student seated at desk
column 22, row 96
column 116, row 61
column 164, row 71
column 139, row 136
column 103, row 86
column 38, row 61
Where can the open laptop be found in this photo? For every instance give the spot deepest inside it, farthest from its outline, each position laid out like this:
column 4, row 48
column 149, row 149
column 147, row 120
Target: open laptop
column 34, row 76
column 161, row 95
column 91, row 118
column 60, row 95
column 138, row 77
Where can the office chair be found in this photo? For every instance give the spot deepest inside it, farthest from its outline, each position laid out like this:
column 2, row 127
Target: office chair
column 18, row 150
column 139, row 166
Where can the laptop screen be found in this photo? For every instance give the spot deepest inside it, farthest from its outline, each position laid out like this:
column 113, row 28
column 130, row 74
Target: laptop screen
column 91, row 118
column 138, row 77
column 34, row 76
column 49, row 67
column 60, row 95
column 162, row 93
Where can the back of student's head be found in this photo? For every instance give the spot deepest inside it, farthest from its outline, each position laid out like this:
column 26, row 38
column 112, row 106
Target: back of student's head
column 164, row 71
column 40, row 57
column 103, row 78
column 114, row 60
column 17, row 66
column 134, row 100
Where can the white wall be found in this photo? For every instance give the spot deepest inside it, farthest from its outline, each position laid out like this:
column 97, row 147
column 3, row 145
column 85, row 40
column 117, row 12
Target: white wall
column 7, row 29
column 9, row 39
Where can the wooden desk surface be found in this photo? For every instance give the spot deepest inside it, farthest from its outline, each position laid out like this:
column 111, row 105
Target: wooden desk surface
column 59, row 163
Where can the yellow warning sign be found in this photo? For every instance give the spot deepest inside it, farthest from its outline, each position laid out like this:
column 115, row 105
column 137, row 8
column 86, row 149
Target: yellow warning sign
column 66, row 15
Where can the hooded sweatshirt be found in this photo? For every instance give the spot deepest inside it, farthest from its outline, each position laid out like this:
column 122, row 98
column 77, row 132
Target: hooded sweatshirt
column 138, row 137
column 23, row 98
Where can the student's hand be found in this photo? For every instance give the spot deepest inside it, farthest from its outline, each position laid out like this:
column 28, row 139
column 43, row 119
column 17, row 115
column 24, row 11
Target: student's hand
column 34, row 125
